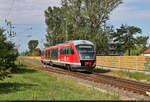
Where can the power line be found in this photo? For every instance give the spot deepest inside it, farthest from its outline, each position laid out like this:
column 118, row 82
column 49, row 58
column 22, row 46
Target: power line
column 10, row 10
column 26, row 30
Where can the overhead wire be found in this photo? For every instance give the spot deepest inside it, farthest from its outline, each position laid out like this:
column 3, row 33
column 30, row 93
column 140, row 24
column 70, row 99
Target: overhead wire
column 29, row 6
column 10, row 10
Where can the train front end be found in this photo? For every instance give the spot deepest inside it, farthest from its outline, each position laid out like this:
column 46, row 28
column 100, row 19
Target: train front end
column 87, row 55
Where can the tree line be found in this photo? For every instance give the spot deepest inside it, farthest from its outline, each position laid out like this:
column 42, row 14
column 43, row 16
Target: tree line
column 86, row 20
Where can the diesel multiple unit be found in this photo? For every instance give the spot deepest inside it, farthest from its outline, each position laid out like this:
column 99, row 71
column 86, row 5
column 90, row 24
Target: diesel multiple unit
column 77, row 54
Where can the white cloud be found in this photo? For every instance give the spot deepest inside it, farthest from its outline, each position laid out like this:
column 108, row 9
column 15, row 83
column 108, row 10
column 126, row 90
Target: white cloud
column 25, row 11
column 129, row 13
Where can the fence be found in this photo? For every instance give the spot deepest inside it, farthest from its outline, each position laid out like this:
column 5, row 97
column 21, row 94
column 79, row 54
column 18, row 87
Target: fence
column 126, row 62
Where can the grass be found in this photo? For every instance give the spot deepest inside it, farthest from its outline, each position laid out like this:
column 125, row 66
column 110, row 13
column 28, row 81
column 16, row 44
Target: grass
column 134, row 75
column 30, row 84
column 126, row 74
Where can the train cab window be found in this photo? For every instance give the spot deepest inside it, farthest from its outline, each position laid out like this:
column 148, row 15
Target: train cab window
column 86, row 51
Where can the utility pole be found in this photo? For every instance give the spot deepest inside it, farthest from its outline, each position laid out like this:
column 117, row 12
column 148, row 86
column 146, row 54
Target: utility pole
column 66, row 30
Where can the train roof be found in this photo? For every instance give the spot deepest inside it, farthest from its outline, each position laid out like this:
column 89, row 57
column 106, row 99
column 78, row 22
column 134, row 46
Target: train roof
column 75, row 42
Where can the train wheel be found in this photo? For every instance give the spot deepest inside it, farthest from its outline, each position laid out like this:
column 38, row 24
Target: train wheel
column 51, row 64
column 68, row 67
column 44, row 63
column 90, row 71
column 71, row 68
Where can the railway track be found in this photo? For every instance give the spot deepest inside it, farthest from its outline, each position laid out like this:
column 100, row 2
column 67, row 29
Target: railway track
column 133, row 86
column 125, row 84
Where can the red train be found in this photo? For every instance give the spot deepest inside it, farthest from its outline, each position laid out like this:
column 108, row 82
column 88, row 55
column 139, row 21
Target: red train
column 76, row 54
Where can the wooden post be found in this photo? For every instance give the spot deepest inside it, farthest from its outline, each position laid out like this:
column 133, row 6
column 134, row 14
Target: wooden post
column 119, row 61
column 137, row 63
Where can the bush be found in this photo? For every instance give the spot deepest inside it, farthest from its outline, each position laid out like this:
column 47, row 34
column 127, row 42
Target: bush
column 8, row 55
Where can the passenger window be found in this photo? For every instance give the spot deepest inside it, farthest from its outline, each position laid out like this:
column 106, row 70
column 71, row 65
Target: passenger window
column 67, row 50
column 72, row 52
column 63, row 51
column 54, row 53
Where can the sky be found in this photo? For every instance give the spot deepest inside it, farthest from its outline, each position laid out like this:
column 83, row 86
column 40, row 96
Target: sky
column 27, row 17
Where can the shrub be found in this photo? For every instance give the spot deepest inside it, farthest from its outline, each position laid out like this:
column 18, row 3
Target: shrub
column 8, row 55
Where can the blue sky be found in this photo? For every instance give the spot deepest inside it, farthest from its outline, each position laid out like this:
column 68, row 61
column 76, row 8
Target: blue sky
column 27, row 14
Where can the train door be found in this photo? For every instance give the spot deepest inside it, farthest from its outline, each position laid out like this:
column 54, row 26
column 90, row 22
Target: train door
column 59, row 54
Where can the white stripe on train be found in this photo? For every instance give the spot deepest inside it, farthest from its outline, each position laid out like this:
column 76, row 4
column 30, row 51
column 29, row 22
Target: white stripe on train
column 63, row 62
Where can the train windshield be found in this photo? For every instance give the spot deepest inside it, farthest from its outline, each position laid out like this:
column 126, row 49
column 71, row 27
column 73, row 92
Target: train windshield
column 86, row 52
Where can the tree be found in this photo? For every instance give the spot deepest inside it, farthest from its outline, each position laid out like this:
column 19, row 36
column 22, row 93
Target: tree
column 127, row 40
column 8, row 55
column 85, row 20
column 101, row 43
column 10, row 32
column 32, row 44
column 142, row 42
column 134, row 52
column 54, row 21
